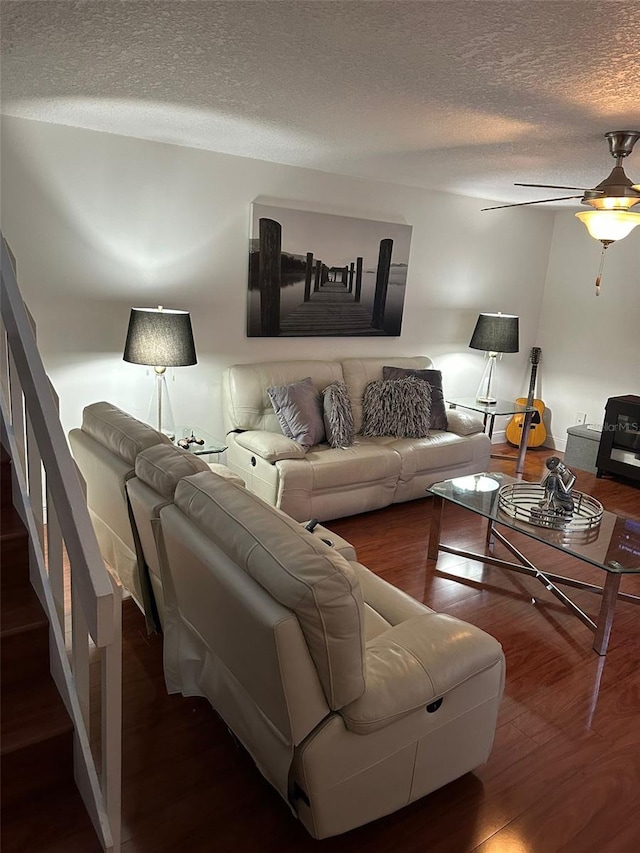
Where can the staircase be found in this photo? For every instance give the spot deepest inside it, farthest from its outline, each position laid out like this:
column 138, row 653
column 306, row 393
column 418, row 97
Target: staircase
column 41, row 808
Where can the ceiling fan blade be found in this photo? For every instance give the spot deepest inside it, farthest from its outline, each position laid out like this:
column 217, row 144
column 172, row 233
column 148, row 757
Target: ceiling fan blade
column 523, row 203
column 555, row 187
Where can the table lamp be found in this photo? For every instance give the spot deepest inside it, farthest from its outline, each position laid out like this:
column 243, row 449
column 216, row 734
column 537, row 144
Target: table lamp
column 160, row 338
column 495, row 334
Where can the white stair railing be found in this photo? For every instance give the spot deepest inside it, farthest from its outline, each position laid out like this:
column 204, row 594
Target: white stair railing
column 49, row 496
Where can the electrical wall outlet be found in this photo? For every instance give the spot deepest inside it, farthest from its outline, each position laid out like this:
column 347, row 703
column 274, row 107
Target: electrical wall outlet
column 581, row 418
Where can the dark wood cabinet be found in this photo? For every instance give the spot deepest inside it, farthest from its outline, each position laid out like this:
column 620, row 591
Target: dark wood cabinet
column 619, row 449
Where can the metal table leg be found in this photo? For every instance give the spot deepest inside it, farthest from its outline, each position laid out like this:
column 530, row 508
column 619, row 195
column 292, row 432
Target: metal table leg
column 491, row 423
column 607, row 609
column 524, row 440
column 433, row 548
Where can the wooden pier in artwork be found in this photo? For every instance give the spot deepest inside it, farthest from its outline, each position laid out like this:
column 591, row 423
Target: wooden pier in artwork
column 331, row 304
column 331, row 310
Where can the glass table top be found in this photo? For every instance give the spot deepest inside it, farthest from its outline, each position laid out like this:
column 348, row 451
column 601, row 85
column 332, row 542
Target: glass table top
column 500, row 407
column 613, row 545
column 204, row 442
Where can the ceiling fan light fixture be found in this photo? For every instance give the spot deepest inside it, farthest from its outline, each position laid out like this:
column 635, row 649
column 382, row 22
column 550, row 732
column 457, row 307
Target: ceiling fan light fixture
column 609, row 225
column 615, row 194
column 613, row 202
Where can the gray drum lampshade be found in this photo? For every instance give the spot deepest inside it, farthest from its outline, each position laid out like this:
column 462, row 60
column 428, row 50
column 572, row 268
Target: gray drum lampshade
column 496, row 333
column 160, row 337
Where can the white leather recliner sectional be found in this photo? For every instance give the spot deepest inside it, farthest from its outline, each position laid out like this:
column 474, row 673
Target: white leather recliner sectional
column 325, row 482
column 352, row 698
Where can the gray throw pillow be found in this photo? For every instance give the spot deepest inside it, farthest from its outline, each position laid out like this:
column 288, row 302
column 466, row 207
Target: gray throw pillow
column 338, row 416
column 396, row 407
column 299, row 410
column 434, row 378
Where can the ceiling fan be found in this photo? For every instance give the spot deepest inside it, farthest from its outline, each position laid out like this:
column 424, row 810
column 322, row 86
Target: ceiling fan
column 609, row 218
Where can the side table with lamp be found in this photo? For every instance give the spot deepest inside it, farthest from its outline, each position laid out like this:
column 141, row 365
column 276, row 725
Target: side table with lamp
column 496, row 334
column 160, row 338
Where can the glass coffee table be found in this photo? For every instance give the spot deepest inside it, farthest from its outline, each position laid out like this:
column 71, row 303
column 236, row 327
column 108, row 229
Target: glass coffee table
column 612, row 545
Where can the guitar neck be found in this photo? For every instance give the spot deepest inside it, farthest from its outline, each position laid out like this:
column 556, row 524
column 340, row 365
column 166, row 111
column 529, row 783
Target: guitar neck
column 532, row 384
column 534, row 357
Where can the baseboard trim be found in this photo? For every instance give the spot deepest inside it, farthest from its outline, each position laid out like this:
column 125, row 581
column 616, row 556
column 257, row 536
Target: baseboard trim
column 551, row 442
column 556, row 443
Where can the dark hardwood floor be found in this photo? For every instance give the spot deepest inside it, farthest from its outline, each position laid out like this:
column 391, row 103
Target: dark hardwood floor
column 564, row 774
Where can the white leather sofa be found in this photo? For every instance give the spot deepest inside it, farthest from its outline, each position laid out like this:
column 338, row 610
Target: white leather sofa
column 326, row 482
column 352, row 698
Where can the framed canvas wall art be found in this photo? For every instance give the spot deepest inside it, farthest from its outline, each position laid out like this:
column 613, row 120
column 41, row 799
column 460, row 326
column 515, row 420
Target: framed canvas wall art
column 317, row 274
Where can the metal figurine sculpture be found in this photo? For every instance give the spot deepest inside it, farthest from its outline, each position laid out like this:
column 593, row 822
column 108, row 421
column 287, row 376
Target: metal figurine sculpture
column 558, row 483
column 185, row 443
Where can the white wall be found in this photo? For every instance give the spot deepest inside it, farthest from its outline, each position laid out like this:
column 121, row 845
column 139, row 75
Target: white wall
column 590, row 344
column 100, row 223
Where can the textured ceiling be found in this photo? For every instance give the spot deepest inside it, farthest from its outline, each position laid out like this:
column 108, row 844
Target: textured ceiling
column 465, row 96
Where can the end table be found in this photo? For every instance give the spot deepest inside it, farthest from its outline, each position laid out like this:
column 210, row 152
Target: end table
column 198, row 441
column 500, row 407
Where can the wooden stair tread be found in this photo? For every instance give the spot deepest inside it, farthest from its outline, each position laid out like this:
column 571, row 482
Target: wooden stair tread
column 42, row 811
column 21, row 611
column 62, row 825
column 32, row 713
column 12, row 524
column 14, row 550
column 12, row 529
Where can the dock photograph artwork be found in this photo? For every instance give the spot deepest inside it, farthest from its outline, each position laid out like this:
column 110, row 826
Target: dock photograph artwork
column 317, row 274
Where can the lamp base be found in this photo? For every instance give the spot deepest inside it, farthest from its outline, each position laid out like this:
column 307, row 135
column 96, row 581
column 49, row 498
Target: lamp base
column 486, row 392
column 160, row 412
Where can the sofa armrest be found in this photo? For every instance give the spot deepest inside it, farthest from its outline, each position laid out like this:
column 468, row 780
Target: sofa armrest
column 413, row 664
column 270, row 446
column 332, row 540
column 463, row 423
column 227, row 473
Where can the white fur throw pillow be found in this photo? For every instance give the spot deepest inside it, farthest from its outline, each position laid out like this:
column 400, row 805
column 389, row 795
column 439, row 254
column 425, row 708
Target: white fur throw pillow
column 396, row 407
column 338, row 416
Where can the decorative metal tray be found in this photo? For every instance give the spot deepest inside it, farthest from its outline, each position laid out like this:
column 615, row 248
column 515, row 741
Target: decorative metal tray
column 522, row 501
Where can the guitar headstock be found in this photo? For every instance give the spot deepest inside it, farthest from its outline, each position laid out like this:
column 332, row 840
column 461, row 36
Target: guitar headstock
column 535, row 355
